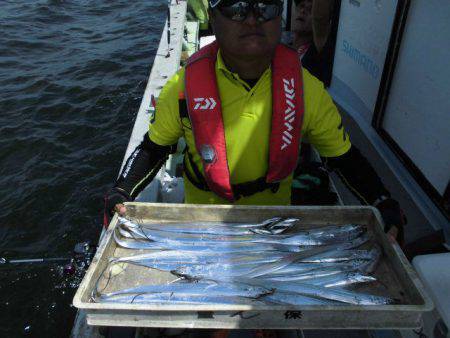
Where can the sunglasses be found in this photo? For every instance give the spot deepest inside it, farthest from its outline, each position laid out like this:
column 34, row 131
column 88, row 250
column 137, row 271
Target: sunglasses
column 238, row 10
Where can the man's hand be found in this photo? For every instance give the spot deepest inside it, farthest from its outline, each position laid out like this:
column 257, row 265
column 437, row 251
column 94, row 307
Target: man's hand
column 392, row 234
column 394, row 219
column 120, row 208
column 114, row 200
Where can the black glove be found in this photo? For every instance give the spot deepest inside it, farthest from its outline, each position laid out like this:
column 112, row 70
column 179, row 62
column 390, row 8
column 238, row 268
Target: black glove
column 113, row 196
column 393, row 216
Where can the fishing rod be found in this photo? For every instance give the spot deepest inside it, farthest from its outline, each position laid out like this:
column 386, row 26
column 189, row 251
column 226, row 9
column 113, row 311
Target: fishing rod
column 4, row 260
column 81, row 256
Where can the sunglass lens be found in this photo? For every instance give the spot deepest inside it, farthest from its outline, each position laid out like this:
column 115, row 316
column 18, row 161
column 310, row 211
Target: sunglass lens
column 268, row 11
column 237, row 11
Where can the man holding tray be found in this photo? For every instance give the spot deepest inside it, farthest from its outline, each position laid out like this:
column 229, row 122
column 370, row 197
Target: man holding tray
column 243, row 104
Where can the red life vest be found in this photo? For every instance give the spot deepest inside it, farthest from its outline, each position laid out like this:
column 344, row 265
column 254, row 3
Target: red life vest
column 205, row 114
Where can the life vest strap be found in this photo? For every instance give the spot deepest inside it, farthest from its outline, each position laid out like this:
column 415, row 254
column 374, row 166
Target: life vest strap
column 239, row 190
column 250, row 188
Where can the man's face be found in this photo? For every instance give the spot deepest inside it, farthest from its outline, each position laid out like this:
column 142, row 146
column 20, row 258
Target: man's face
column 302, row 18
column 248, row 39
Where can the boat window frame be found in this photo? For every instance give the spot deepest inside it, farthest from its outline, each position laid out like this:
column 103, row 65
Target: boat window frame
column 401, row 15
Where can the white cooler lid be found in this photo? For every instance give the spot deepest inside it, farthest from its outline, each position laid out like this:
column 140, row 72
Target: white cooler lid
column 434, row 271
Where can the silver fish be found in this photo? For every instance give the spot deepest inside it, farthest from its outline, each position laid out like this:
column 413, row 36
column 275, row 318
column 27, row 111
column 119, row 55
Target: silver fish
column 336, row 256
column 358, row 241
column 269, row 268
column 136, row 244
column 299, row 267
column 193, row 269
column 276, row 228
column 338, row 233
column 302, row 271
column 210, row 271
column 163, row 256
column 210, row 263
column 125, row 233
column 171, row 298
column 162, row 266
column 306, row 238
column 197, row 289
column 327, row 235
column 339, row 295
column 193, row 257
column 174, row 238
column 304, row 276
column 280, row 267
column 271, row 226
column 204, row 247
column 247, row 270
column 325, row 278
column 309, row 290
column 342, row 279
column 280, row 297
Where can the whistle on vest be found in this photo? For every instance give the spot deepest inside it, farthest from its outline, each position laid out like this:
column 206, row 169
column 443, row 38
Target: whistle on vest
column 208, row 154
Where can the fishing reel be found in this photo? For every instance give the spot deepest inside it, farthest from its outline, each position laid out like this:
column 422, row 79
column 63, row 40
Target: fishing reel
column 82, row 256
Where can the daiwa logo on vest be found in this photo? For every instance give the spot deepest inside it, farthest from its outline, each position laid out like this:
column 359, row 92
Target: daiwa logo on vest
column 289, row 113
column 204, row 103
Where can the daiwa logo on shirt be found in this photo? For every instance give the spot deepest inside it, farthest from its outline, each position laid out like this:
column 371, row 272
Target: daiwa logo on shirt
column 204, row 103
column 289, row 113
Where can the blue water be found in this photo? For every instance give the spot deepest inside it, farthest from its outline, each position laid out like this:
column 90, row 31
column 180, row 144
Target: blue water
column 72, row 74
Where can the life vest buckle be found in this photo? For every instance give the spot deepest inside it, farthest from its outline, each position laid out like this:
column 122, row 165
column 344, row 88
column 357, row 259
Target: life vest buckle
column 275, row 187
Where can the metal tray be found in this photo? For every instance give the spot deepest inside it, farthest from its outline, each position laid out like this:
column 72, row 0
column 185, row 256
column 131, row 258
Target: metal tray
column 395, row 275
